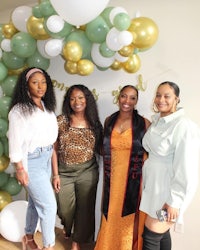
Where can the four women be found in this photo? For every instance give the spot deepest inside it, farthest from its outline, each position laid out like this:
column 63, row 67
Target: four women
column 168, row 182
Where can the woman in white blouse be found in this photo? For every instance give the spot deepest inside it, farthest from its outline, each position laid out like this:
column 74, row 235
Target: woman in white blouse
column 170, row 173
column 32, row 133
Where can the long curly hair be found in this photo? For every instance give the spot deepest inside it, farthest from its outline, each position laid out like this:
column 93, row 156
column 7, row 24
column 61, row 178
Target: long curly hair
column 91, row 112
column 22, row 98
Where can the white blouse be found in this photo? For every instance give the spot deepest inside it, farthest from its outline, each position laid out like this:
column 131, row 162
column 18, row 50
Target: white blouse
column 27, row 132
column 170, row 174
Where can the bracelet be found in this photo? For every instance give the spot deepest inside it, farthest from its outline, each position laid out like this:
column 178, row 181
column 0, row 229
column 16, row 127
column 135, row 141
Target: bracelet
column 56, row 176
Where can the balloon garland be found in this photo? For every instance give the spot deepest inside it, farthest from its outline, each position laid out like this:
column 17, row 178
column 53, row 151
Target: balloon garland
column 86, row 34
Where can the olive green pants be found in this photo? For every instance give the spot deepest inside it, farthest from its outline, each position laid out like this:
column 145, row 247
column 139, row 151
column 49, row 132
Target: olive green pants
column 76, row 200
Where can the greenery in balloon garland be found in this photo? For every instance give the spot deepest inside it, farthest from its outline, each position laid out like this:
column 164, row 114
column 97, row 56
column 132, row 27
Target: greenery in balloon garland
column 86, row 34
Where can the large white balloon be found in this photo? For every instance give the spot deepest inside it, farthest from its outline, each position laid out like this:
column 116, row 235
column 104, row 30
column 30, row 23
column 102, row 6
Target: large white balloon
column 79, row 12
column 12, row 220
column 20, row 16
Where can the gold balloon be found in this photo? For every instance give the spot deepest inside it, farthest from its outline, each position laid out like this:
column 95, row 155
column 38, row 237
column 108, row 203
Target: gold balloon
column 9, row 30
column 4, row 161
column 126, row 50
column 16, row 71
column 70, row 67
column 72, row 51
column 116, row 65
column 85, row 67
column 35, row 27
column 5, row 199
column 145, row 32
column 133, row 64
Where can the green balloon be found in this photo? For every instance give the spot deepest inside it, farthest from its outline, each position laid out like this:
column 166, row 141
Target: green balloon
column 12, row 186
column 80, row 37
column 4, row 141
column 1, row 33
column 106, row 16
column 3, row 127
column 1, row 148
column 105, row 51
column 36, row 11
column 3, row 71
column 5, row 102
column 97, row 30
column 46, row 8
column 8, row 85
column 3, row 178
column 12, row 61
column 37, row 60
column 122, row 21
column 23, row 44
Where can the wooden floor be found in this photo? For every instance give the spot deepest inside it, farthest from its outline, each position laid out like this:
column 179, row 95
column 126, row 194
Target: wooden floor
column 61, row 243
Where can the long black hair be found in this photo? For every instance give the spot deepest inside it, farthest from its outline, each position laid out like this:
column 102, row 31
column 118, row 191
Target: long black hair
column 91, row 112
column 22, row 98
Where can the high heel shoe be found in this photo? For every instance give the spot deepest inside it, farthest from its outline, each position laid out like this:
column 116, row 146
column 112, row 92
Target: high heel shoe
column 25, row 244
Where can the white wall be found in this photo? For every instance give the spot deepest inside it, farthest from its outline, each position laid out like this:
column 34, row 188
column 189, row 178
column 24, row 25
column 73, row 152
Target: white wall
column 175, row 57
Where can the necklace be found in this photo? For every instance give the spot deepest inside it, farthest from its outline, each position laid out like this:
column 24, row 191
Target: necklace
column 79, row 123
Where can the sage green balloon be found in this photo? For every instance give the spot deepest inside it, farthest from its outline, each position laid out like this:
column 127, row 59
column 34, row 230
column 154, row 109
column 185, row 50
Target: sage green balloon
column 122, row 21
column 80, row 37
column 23, row 44
column 105, row 51
column 3, row 127
column 3, row 71
column 1, row 148
column 36, row 11
column 106, row 16
column 12, row 61
column 12, row 186
column 3, row 178
column 1, row 32
column 37, row 60
column 8, row 85
column 4, row 141
column 97, row 30
column 46, row 8
column 5, row 102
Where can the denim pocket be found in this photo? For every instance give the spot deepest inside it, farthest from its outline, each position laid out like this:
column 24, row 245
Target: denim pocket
column 35, row 154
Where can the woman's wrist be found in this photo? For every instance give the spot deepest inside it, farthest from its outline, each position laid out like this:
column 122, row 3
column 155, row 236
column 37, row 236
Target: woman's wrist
column 19, row 169
column 55, row 176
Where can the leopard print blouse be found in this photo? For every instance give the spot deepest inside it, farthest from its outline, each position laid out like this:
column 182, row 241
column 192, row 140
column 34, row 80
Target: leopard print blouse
column 75, row 145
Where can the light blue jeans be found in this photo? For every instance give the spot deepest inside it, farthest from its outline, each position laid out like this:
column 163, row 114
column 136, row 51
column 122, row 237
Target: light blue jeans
column 41, row 197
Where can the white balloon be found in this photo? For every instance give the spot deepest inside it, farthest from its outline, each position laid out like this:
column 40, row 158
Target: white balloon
column 54, row 47
column 12, row 220
column 20, row 16
column 79, row 12
column 55, row 23
column 116, row 11
column 5, row 45
column 112, row 39
column 125, row 37
column 98, row 59
column 41, row 48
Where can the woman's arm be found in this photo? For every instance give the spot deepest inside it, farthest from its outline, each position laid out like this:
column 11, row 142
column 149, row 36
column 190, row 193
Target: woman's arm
column 55, row 177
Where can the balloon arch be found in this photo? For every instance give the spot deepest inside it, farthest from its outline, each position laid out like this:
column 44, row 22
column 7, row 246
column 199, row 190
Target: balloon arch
column 86, row 34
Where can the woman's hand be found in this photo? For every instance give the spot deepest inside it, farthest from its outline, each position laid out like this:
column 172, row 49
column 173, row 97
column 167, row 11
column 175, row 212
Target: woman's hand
column 22, row 177
column 56, row 183
column 172, row 213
